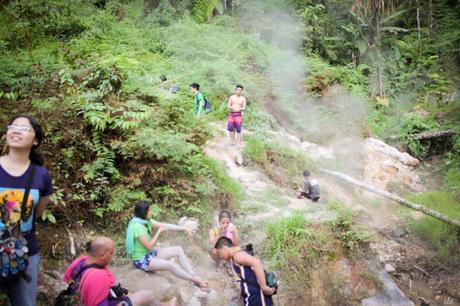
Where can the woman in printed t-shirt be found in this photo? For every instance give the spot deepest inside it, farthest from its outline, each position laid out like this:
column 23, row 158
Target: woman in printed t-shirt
column 23, row 136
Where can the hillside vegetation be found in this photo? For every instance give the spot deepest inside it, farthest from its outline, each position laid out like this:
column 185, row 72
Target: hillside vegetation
column 97, row 74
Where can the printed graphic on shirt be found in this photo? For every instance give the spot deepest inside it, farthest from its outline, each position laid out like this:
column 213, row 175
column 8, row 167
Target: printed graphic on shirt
column 10, row 208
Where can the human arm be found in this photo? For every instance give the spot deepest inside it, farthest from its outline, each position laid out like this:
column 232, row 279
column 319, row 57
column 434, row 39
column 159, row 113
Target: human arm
column 212, row 237
column 230, row 104
column 149, row 244
column 244, row 259
column 243, row 105
column 45, row 193
column 200, row 107
column 200, row 101
column 42, row 205
column 168, row 226
column 236, row 237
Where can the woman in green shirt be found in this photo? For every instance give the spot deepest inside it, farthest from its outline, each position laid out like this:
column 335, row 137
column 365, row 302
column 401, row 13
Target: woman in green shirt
column 140, row 246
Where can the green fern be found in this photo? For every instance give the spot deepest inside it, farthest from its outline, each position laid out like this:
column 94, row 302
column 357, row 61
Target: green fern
column 104, row 165
column 203, row 9
column 119, row 198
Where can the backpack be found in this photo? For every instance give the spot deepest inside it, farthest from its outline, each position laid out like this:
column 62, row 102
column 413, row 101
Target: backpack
column 14, row 252
column 71, row 295
column 207, row 105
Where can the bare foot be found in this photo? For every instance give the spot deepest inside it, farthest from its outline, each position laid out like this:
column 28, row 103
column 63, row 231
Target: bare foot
column 202, row 284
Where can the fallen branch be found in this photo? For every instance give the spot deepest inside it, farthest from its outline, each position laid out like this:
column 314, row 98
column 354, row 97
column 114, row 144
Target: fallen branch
column 421, row 270
column 72, row 242
column 425, row 135
column 433, row 134
column 397, row 199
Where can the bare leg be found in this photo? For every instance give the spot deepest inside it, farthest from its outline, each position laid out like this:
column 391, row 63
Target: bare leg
column 143, row 298
column 177, row 251
column 238, row 139
column 157, row 264
column 230, row 134
column 183, row 270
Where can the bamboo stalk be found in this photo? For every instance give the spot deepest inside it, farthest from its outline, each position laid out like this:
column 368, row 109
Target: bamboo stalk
column 395, row 198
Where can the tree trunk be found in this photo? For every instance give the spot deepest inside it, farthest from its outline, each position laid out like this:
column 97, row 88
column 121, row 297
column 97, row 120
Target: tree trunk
column 430, row 18
column 375, row 45
column 228, row 7
column 395, row 198
column 419, row 28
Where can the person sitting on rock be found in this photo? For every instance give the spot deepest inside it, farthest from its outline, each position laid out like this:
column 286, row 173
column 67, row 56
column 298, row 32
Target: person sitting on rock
column 225, row 228
column 250, row 271
column 97, row 282
column 310, row 188
column 140, row 246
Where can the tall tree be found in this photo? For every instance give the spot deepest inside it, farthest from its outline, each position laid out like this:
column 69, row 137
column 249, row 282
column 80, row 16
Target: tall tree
column 373, row 11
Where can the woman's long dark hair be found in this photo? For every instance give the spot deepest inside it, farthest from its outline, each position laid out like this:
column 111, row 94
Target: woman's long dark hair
column 34, row 156
column 141, row 209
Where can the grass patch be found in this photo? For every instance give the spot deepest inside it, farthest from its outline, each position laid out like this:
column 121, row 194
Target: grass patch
column 444, row 238
column 281, row 163
column 273, row 195
column 224, row 183
column 310, row 258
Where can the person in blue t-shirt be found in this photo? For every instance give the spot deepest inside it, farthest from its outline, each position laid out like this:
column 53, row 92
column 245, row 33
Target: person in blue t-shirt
column 23, row 136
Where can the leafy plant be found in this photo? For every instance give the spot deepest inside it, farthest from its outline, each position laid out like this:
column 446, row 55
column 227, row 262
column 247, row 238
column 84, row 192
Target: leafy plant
column 203, row 9
column 119, row 199
column 412, row 126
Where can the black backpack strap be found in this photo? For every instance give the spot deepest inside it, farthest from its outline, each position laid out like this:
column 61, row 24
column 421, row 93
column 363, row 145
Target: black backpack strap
column 27, row 190
column 83, row 269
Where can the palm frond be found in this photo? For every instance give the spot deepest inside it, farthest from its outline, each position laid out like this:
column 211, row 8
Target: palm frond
column 203, row 9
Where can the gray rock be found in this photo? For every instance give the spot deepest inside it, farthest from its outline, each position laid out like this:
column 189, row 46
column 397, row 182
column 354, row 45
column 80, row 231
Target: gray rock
column 390, row 295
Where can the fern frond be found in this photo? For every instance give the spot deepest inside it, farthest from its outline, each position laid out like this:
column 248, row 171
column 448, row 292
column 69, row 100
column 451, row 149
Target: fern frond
column 203, row 9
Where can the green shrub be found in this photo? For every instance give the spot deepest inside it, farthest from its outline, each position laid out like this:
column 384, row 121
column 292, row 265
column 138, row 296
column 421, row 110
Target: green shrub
column 412, row 126
column 306, row 257
column 351, row 234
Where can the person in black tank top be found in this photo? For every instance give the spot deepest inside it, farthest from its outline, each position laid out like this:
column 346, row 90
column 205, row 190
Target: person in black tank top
column 253, row 285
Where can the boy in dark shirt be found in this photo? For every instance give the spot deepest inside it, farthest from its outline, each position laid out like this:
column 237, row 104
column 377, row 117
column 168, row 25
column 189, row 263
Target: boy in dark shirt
column 310, row 188
column 250, row 271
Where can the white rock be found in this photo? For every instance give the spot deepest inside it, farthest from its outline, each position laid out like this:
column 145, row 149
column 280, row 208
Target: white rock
column 389, row 268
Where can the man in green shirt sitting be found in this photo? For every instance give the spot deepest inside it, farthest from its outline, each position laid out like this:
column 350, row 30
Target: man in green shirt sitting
column 199, row 99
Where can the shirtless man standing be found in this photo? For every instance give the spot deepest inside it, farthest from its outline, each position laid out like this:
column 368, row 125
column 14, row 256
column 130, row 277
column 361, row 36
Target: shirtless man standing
column 236, row 105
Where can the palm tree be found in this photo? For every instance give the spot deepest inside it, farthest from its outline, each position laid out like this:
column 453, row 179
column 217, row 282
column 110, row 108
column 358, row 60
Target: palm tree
column 371, row 12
